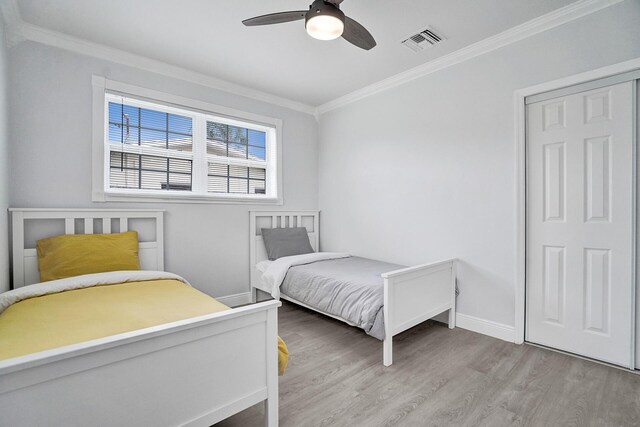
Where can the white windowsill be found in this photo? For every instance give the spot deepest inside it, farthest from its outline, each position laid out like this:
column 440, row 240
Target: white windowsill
column 114, row 196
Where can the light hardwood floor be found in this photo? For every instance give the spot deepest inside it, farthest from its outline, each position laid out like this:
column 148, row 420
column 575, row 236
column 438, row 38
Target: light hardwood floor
column 439, row 377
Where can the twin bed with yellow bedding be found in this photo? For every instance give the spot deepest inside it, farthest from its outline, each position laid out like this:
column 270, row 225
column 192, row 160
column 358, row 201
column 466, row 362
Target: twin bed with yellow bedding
column 69, row 311
column 100, row 341
column 91, row 289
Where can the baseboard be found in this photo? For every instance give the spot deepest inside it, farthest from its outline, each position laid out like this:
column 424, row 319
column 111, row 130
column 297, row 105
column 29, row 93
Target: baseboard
column 486, row 327
column 236, row 299
column 464, row 321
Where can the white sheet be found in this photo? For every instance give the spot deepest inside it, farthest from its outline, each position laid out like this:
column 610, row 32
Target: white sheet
column 263, row 265
column 275, row 272
column 79, row 282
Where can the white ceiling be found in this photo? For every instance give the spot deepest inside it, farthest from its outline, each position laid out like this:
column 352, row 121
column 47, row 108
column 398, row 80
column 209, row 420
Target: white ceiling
column 207, row 36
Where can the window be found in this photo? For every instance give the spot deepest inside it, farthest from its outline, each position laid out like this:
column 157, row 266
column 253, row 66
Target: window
column 159, row 150
column 228, row 141
column 149, row 148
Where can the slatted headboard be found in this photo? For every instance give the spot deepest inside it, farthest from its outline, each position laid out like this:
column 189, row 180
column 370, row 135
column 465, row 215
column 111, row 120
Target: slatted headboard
column 29, row 225
column 278, row 219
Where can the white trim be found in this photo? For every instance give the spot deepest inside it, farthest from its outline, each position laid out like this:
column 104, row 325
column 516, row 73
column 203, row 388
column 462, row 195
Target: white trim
column 521, row 215
column 98, row 126
column 634, row 296
column 19, row 30
column 520, row 171
column 102, row 88
column 530, row 28
column 486, row 327
column 83, row 210
column 583, row 87
column 235, row 299
column 188, row 199
column 598, row 73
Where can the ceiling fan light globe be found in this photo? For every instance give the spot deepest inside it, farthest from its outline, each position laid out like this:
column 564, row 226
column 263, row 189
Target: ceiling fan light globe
column 325, row 27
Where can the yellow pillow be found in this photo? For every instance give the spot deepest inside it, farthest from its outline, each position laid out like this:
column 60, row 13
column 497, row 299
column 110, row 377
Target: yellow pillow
column 76, row 254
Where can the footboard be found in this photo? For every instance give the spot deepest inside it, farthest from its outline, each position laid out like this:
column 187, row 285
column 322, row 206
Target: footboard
column 415, row 294
column 192, row 372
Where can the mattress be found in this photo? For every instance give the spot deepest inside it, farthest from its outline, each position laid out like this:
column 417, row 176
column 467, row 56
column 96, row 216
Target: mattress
column 348, row 288
column 73, row 316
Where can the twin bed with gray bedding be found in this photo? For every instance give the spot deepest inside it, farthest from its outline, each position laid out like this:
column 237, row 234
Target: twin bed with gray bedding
column 349, row 288
column 381, row 298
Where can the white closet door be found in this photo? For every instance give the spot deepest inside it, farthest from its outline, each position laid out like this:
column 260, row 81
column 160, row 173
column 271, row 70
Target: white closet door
column 637, row 228
column 580, row 217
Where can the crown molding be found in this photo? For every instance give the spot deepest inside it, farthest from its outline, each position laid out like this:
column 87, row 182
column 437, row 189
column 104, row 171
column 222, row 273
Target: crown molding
column 530, row 28
column 19, row 30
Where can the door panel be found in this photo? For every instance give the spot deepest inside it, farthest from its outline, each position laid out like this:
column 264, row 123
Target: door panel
column 580, row 217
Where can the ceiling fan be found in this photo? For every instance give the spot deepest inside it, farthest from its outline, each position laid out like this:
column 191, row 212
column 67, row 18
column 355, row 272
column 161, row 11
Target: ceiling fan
column 324, row 21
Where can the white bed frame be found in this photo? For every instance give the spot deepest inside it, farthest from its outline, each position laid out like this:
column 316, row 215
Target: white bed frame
column 411, row 295
column 192, row 372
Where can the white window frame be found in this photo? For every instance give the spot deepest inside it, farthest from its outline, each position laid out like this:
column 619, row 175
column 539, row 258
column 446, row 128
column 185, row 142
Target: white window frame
column 104, row 88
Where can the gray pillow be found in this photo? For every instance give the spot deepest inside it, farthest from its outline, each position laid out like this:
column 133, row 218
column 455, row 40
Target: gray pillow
column 281, row 242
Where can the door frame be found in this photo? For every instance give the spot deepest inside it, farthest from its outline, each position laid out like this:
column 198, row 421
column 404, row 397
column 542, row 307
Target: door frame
column 521, row 184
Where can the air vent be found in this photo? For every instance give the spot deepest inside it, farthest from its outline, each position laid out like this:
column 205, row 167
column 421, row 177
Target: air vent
column 424, row 39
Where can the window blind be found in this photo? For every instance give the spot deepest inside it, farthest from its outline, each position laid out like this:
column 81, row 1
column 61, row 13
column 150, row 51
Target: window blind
column 227, row 141
column 141, row 143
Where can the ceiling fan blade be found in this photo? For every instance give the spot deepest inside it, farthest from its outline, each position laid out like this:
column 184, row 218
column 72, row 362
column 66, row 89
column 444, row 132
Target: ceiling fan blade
column 275, row 18
column 336, row 2
column 357, row 35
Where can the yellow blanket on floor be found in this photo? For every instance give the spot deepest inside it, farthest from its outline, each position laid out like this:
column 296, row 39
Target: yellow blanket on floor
column 73, row 316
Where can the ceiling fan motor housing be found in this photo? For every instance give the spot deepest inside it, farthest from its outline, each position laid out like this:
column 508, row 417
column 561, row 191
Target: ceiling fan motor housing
column 321, row 7
column 323, row 21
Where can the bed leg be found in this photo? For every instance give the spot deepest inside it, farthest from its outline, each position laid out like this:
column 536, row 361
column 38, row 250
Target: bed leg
column 271, row 403
column 454, row 294
column 271, row 413
column 387, row 358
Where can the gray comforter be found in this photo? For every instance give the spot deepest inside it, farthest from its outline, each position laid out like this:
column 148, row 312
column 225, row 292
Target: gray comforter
column 349, row 288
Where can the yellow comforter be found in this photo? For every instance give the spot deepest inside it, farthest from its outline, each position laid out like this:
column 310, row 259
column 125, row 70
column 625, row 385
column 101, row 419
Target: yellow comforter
column 74, row 316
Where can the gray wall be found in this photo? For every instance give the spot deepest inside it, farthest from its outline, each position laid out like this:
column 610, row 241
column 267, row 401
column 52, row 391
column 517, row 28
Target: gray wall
column 426, row 170
column 51, row 110
column 4, row 166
